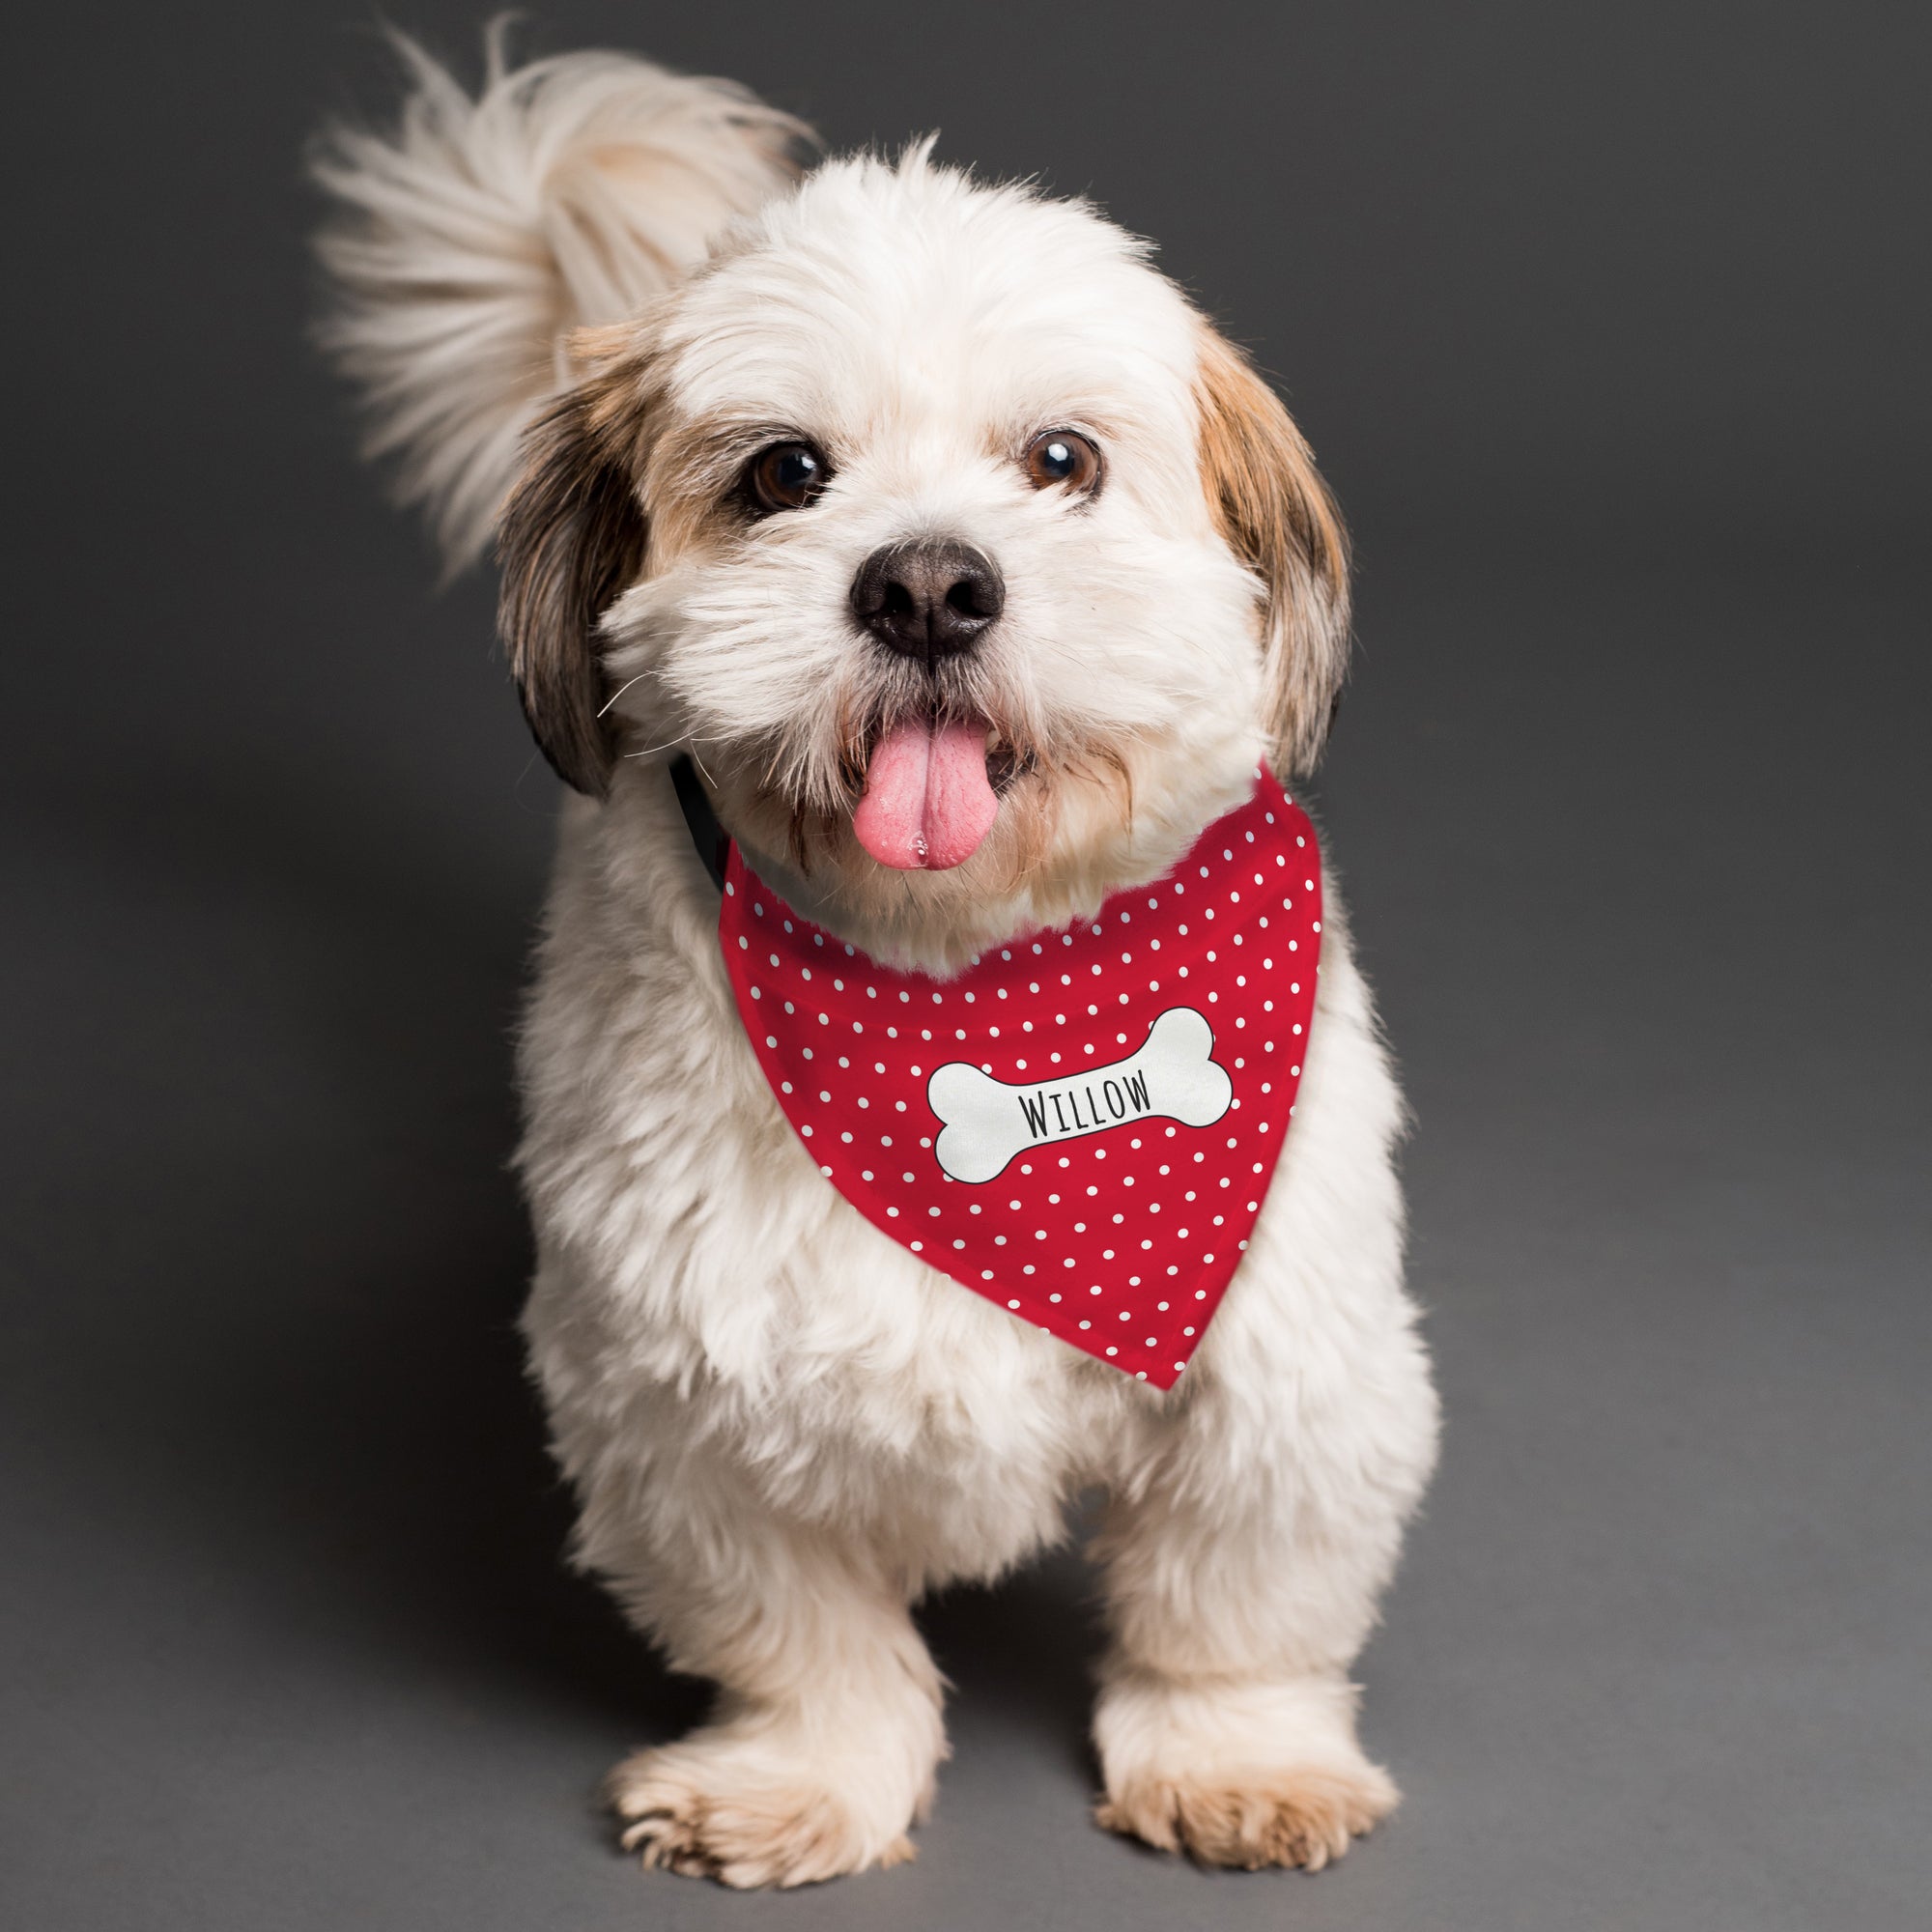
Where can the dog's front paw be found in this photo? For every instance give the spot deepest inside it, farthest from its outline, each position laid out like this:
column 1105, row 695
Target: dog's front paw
column 1236, row 1773
column 719, row 1806
column 1294, row 1815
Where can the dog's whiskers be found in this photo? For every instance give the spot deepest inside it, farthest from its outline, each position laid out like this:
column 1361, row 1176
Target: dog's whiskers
column 620, row 690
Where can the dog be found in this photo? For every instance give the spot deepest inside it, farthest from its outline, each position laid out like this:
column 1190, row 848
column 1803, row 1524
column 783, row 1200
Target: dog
column 924, row 536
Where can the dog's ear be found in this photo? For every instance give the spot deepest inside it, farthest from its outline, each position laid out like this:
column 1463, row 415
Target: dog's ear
column 1277, row 517
column 572, row 537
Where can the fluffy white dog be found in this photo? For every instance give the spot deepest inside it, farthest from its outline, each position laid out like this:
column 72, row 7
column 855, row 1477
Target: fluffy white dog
column 698, row 392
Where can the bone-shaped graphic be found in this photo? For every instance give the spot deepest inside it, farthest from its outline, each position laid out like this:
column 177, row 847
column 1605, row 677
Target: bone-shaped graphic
column 987, row 1121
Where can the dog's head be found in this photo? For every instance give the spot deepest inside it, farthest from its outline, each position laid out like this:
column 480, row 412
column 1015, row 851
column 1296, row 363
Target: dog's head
column 974, row 568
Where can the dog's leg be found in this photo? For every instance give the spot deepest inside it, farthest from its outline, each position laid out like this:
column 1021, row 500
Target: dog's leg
column 1242, row 1582
column 1245, row 1550
column 821, row 1753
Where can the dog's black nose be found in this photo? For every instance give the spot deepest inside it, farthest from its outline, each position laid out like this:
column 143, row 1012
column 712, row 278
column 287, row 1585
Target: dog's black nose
column 928, row 599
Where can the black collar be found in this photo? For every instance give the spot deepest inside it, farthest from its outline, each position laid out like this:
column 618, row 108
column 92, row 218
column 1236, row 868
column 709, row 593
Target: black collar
column 710, row 838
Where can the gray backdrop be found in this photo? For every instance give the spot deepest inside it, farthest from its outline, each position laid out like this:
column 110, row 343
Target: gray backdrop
column 1609, row 324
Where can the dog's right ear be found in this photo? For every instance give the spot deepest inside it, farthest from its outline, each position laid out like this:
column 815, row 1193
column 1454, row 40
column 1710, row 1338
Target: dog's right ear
column 570, row 539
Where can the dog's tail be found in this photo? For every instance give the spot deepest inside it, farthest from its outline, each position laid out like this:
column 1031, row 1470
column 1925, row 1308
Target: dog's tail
column 468, row 239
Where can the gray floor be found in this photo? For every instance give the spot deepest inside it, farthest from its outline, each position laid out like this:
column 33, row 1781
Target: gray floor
column 1637, row 862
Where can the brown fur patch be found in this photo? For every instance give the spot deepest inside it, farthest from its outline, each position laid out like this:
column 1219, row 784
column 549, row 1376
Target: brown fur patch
column 1028, row 809
column 1305, row 1815
column 572, row 537
column 747, row 1835
column 1277, row 517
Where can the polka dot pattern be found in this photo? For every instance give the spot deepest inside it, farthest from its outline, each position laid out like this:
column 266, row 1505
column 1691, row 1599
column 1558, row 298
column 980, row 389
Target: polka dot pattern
column 1117, row 1233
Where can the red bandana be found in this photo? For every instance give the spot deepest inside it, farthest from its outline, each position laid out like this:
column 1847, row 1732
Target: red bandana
column 1082, row 1126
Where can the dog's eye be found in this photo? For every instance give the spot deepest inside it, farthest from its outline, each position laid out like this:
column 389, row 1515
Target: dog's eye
column 786, row 476
column 1061, row 456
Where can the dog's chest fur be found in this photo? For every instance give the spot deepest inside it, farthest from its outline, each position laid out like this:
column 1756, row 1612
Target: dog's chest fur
column 688, row 1243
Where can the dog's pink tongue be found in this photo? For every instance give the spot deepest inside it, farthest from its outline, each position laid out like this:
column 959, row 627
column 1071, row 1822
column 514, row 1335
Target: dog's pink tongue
column 928, row 802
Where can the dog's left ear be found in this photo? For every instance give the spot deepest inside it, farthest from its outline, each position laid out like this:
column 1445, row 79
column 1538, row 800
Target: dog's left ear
column 1277, row 517
column 570, row 539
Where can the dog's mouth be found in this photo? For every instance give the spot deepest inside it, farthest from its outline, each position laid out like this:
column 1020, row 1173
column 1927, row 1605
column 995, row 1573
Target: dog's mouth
column 931, row 793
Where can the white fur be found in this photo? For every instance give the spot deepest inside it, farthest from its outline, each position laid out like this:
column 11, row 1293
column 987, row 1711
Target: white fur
column 783, row 1428
column 479, row 231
